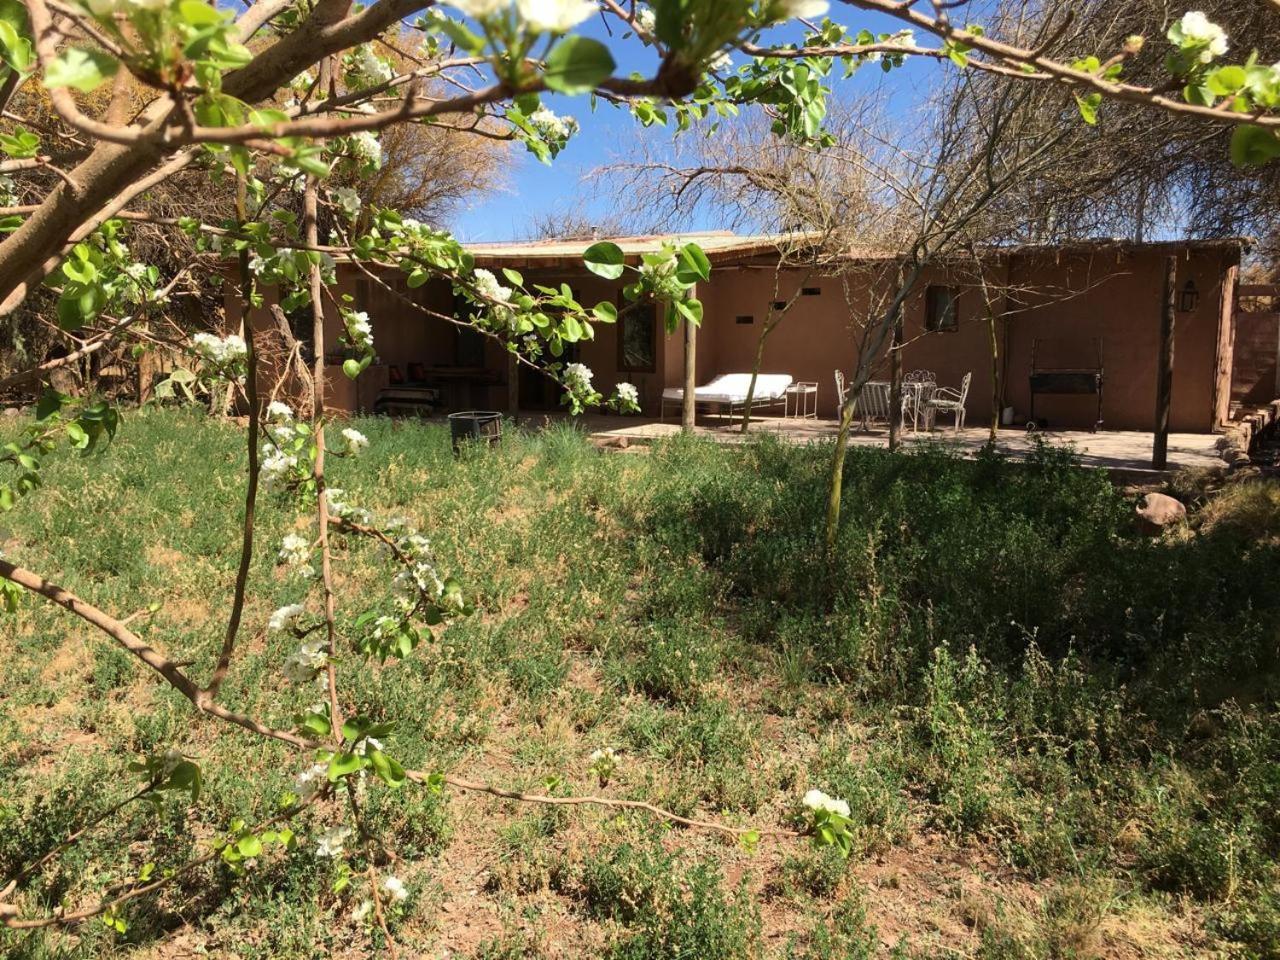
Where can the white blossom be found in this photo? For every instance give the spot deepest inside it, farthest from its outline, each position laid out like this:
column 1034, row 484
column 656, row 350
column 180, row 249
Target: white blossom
column 362, row 910
column 303, row 81
column 364, row 746
column 604, row 753
column 551, row 126
column 330, row 841
column 356, row 441
column 646, row 20
column 578, row 375
column 304, row 663
column 1196, row 30
column 394, row 888
column 348, row 199
column 366, row 147
column 479, row 8
column 359, row 329
column 903, row 38
column 370, row 66
column 628, row 395
column 804, row 8
column 257, row 266
column 220, row 350
column 555, row 16
column 285, row 617
column 311, row 780
column 721, row 61
column 487, row 284
column 817, row 800
column 276, row 466
column 278, row 412
column 295, row 550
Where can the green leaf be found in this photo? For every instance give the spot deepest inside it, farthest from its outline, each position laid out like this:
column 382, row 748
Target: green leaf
column 693, row 266
column 691, row 310
column 249, row 846
column 605, row 259
column 1089, row 107
column 461, row 35
column 577, row 65
column 1253, row 146
column 343, row 765
column 199, row 14
column 1226, row 81
column 82, row 69
column 351, row 368
column 605, row 312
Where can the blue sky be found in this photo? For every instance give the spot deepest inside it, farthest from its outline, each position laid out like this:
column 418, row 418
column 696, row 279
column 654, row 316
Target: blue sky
column 533, row 189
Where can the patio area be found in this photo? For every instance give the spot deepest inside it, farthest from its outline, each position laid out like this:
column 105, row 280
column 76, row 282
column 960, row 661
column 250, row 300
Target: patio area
column 1126, row 454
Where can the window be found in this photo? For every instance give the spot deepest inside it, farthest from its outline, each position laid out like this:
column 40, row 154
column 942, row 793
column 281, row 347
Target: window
column 637, row 337
column 810, row 291
column 744, row 320
column 942, row 310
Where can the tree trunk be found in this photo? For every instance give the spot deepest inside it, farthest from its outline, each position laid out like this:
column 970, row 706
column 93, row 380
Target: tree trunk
column 836, row 488
column 895, row 384
column 1164, row 369
column 995, row 374
column 688, row 407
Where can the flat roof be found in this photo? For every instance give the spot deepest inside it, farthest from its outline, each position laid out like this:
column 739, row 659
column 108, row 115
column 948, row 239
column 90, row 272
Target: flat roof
column 723, row 246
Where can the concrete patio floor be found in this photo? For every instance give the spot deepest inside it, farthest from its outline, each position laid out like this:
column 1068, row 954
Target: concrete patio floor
column 1125, row 453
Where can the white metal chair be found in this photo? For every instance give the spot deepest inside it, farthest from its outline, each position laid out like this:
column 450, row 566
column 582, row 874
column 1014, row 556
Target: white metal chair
column 874, row 402
column 947, row 400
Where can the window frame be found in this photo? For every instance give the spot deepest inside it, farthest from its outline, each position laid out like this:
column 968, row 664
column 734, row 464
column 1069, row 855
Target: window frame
column 633, row 311
column 933, row 321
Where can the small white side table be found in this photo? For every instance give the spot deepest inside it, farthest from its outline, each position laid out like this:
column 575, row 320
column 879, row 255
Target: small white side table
column 800, row 401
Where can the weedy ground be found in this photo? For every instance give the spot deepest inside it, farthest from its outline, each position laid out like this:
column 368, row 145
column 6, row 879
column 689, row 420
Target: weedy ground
column 1058, row 739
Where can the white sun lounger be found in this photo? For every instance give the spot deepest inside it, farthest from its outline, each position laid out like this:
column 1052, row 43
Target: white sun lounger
column 729, row 392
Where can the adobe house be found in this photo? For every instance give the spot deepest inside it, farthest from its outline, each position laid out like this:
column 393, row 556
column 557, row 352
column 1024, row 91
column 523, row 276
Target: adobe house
column 1078, row 306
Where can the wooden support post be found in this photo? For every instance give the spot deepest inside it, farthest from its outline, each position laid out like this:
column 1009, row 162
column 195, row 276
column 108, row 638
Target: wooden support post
column 895, row 383
column 1164, row 366
column 513, row 387
column 688, row 408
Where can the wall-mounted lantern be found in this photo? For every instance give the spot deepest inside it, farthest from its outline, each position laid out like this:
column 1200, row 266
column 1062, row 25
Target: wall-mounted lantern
column 1189, row 299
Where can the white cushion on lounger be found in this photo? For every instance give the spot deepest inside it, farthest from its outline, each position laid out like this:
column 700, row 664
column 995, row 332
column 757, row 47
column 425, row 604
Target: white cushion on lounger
column 732, row 388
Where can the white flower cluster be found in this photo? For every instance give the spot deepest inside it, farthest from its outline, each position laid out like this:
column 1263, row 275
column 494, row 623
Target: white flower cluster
column 628, row 393
column 355, row 441
column 817, row 800
column 311, row 781
column 646, row 20
column 8, row 191
column 359, row 329
column 370, row 66
column 1195, row 31
column 221, row 351
column 339, row 507
column 804, row 8
column 394, row 889
column 578, row 377
column 348, row 200
column 545, row 16
column 487, row 284
column 295, row 550
column 303, row 81
column 552, row 127
column 303, row 664
column 366, row 147
column 721, row 61
column 418, row 581
column 278, row 412
column 276, row 466
column 285, row 617
column 330, row 842
column 658, row 275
